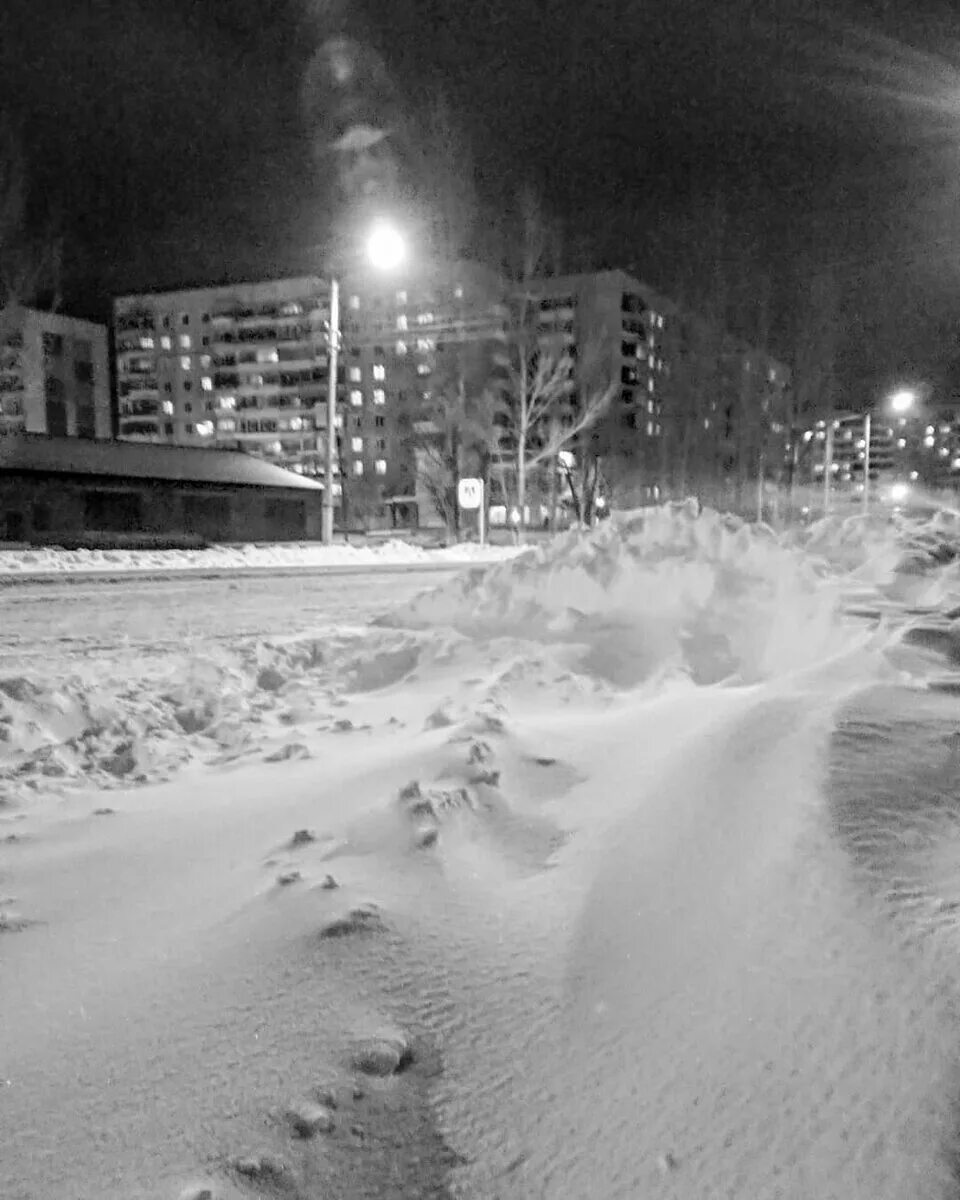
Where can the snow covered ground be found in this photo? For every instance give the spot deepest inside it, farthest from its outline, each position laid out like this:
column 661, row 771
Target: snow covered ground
column 627, row 868
column 52, row 560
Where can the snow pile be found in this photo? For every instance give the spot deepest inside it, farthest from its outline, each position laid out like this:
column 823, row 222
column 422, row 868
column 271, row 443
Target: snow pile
column 670, row 590
column 52, row 560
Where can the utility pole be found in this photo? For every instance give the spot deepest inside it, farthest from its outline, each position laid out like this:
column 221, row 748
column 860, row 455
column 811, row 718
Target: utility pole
column 333, row 355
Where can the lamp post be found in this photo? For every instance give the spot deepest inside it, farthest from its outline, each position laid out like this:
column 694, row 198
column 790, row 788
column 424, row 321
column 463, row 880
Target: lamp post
column 333, row 358
column 386, row 249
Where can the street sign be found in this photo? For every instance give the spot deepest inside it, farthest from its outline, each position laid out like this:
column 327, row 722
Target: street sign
column 470, row 493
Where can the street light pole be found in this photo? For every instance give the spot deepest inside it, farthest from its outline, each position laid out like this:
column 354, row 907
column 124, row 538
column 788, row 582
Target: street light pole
column 867, row 432
column 333, row 354
column 828, row 467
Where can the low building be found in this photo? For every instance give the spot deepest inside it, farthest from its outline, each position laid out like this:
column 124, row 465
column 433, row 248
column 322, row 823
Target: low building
column 55, row 490
column 54, row 375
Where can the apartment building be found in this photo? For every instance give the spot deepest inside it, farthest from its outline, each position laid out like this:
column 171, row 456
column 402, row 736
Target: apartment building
column 240, row 367
column 54, row 375
column 246, row 367
column 677, row 376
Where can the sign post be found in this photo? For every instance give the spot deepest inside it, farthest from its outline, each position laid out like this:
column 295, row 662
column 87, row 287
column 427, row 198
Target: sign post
column 470, row 497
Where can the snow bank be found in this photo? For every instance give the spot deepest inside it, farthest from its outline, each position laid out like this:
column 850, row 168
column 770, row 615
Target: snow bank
column 52, row 560
column 670, row 590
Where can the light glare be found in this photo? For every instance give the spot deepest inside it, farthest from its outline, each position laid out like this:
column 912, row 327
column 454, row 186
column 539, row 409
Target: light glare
column 903, row 400
column 385, row 246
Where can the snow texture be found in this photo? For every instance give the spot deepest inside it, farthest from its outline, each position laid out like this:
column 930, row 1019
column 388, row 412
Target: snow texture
column 627, row 867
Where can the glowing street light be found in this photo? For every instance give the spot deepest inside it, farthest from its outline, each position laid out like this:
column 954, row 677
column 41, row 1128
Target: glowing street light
column 386, row 250
column 903, row 400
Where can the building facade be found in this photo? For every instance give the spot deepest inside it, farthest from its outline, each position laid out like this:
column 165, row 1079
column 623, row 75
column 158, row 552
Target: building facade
column 246, row 367
column 54, row 375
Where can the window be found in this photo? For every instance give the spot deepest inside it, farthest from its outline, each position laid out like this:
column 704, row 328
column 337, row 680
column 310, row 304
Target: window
column 379, row 371
column 423, row 368
column 425, row 345
column 354, row 302
column 380, row 466
column 380, row 422
column 188, row 407
column 166, row 322
column 206, row 383
column 355, row 374
column 165, row 343
column 401, row 297
column 187, row 385
column 358, row 467
column 188, row 428
column 402, row 322
column 206, row 361
column 83, row 372
column 458, row 292
column 206, row 341
column 52, row 345
column 649, row 385
column 356, row 445
column 356, row 397
column 168, row 387
column 146, row 343
column 205, row 319
column 185, row 362
column 649, row 429
column 379, row 396
column 205, row 428
column 168, row 407
column 227, row 402
column 381, row 444
column 227, row 425
column 184, row 318
column 425, row 318
column 401, row 349
column 185, row 341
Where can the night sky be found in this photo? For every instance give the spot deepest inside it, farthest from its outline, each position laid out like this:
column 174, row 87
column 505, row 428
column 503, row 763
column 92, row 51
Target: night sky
column 170, row 136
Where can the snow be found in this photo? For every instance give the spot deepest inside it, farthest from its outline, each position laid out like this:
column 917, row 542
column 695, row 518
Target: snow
column 53, row 560
column 639, row 850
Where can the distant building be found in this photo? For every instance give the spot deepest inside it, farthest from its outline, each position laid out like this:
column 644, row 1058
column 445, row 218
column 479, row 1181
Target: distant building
column 54, row 375
column 245, row 367
column 76, row 491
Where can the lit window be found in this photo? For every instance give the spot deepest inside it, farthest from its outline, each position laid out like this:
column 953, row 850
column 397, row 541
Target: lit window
column 944, row 452
column 649, row 406
column 458, row 292
column 651, row 361
column 168, row 407
column 206, row 361
column 659, row 322
column 227, row 402
column 914, row 476
column 356, row 397
column 901, row 443
column 205, row 428
column 649, row 385
column 401, row 349
column 380, row 466
column 355, row 374
column 146, row 343
column 401, row 297
column 165, row 343
column 206, row 383
column 379, row 396
column 354, row 302
column 226, row 424
column 425, row 318
column 423, row 368
column 356, row 445
column 358, row 467
column 402, row 322
column 185, row 362
column 928, row 442
column 296, row 424
column 379, row 371
column 929, row 431
column 185, row 341
column 649, row 429
column 425, row 345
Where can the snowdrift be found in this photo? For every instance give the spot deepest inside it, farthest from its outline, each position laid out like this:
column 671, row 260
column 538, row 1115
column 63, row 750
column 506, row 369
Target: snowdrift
column 52, row 560
column 665, row 591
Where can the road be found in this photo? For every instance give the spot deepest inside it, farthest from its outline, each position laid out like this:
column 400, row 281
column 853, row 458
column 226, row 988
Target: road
column 43, row 623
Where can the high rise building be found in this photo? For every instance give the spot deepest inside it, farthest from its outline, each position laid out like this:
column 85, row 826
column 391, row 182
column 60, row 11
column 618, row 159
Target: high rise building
column 245, row 367
column 54, row 375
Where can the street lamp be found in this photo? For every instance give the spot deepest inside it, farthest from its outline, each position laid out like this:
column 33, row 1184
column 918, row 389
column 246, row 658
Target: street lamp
column 901, row 402
column 385, row 250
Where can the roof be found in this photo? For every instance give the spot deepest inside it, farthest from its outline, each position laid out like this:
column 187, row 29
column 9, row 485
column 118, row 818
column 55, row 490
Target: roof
column 143, row 460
